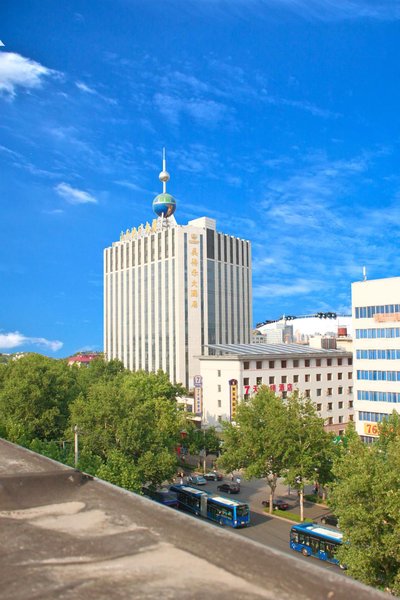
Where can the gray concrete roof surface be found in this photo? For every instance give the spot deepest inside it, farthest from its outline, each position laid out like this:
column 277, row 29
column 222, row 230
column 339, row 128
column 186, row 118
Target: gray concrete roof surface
column 67, row 536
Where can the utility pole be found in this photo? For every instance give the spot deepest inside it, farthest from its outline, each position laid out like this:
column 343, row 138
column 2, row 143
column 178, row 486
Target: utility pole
column 205, row 452
column 76, row 440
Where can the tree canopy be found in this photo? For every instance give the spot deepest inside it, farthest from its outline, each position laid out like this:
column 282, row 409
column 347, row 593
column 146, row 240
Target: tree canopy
column 257, row 441
column 274, row 438
column 35, row 392
column 199, row 441
column 309, row 448
column 366, row 499
column 129, row 424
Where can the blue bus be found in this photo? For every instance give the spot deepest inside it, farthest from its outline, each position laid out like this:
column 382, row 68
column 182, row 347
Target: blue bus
column 216, row 508
column 312, row 539
column 163, row 496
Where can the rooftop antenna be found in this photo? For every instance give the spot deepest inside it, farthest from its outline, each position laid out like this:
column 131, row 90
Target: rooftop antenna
column 164, row 205
column 364, row 274
column 164, row 175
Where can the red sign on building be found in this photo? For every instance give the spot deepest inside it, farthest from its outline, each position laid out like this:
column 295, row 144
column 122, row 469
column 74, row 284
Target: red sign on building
column 282, row 387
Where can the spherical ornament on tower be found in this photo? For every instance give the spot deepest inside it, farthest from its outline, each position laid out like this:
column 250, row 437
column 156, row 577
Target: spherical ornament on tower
column 164, row 176
column 164, row 205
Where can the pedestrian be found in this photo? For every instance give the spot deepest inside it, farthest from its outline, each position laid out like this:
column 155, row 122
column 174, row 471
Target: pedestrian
column 181, row 476
column 232, row 477
column 238, row 480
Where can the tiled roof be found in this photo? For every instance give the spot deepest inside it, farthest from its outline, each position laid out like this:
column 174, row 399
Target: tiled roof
column 268, row 349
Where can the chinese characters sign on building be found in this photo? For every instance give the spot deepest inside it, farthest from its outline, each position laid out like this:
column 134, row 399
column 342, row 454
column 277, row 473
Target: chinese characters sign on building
column 193, row 271
column 386, row 317
column 233, row 395
column 198, row 394
column 280, row 387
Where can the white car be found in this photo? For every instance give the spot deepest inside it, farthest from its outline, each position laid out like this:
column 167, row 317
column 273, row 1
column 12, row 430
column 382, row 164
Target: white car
column 196, row 480
column 213, row 476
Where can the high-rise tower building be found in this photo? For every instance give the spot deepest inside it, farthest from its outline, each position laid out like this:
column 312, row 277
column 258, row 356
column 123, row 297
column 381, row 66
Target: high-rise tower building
column 170, row 290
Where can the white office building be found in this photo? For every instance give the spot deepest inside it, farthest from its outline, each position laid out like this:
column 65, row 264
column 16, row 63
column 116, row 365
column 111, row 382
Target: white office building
column 236, row 373
column 376, row 325
column 170, row 290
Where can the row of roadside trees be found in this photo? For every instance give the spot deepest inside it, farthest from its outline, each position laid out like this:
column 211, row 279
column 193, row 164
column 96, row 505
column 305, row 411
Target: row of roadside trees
column 274, row 438
column 131, row 425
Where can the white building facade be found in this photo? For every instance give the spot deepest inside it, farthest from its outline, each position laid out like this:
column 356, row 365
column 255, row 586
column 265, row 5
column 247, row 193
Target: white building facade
column 170, row 290
column 376, row 325
column 326, row 376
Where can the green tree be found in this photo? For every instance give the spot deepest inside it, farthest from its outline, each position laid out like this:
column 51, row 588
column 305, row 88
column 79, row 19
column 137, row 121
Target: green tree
column 257, row 441
column 35, row 392
column 121, row 471
column 366, row 498
column 97, row 370
column 135, row 415
column 200, row 441
column 309, row 448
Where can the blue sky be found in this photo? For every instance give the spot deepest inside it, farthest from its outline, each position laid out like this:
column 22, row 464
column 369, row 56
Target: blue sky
column 280, row 119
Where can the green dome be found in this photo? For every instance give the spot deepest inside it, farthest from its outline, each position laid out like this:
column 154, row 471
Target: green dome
column 164, row 205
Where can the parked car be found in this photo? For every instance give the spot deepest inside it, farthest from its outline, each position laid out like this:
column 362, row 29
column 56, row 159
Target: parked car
column 277, row 504
column 229, row 488
column 196, row 480
column 213, row 476
column 329, row 520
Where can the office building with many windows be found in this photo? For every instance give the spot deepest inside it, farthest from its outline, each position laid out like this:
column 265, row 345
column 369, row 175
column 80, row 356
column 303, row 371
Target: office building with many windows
column 376, row 326
column 170, row 290
column 236, row 372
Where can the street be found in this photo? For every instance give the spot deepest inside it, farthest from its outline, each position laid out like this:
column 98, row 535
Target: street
column 265, row 529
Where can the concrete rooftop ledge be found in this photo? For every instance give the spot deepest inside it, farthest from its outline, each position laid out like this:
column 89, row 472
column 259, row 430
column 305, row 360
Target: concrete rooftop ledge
column 67, row 536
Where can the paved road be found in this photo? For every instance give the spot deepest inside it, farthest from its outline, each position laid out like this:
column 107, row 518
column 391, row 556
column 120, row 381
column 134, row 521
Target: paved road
column 267, row 530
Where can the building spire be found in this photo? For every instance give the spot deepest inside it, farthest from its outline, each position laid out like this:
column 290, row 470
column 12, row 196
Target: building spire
column 164, row 204
column 164, row 175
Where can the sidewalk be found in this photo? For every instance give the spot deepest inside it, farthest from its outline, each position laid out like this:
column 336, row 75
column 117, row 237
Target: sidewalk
column 311, row 510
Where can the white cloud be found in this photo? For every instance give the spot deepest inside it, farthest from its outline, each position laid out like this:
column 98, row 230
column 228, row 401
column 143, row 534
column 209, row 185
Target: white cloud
column 16, row 71
column 205, row 112
column 197, row 158
column 15, row 339
column 56, row 211
column 291, row 288
column 344, row 9
column 84, row 88
column 131, row 185
column 73, row 195
column 304, row 105
column 381, row 10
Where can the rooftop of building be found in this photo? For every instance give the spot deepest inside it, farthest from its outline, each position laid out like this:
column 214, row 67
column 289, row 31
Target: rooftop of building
column 377, row 282
column 84, row 357
column 321, row 323
column 67, row 535
column 244, row 351
column 159, row 224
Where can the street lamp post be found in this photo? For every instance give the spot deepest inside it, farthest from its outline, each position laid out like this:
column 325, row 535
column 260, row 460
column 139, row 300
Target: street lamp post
column 76, row 446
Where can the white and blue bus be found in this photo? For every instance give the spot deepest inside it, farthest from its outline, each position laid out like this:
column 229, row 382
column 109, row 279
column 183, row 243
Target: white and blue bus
column 216, row 508
column 312, row 539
